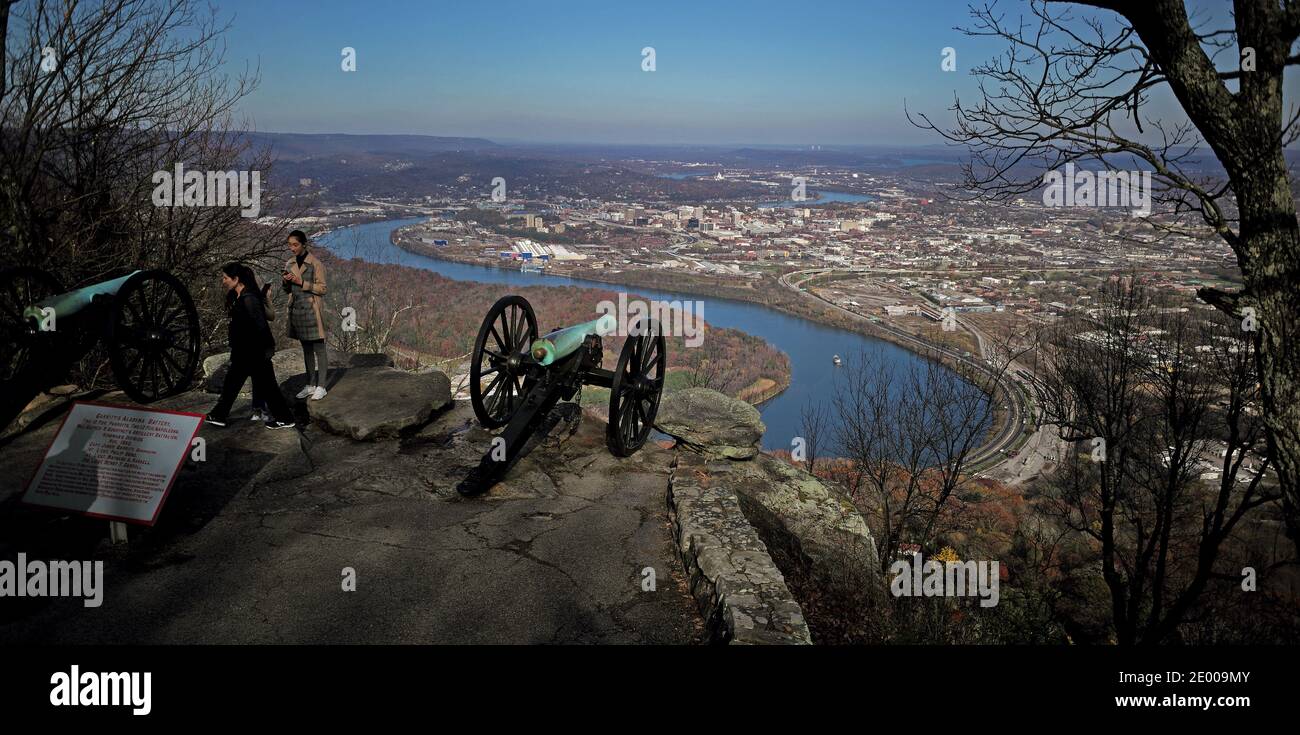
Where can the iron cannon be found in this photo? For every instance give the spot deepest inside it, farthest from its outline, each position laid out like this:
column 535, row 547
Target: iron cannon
column 516, row 377
column 145, row 319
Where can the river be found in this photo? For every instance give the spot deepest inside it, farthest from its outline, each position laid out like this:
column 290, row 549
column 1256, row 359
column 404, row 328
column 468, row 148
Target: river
column 811, row 346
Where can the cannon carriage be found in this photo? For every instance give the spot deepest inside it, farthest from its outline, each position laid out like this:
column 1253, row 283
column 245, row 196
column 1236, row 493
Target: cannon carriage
column 146, row 321
column 516, row 377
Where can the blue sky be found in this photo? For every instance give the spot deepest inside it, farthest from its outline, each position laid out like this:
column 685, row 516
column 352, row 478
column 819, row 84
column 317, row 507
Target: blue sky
column 830, row 72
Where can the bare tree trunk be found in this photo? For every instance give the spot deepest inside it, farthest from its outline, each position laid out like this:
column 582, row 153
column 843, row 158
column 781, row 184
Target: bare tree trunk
column 1246, row 131
column 1271, row 269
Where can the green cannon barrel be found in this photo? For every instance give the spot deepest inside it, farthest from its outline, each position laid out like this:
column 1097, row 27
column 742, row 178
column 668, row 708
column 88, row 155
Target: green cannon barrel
column 67, row 304
column 562, row 342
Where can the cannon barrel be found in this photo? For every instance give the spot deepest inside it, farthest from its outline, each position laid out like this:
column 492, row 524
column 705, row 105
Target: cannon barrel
column 562, row 342
column 67, row 304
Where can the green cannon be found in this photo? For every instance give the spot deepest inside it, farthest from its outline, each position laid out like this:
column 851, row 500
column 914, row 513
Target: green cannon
column 563, row 342
column 516, row 378
column 74, row 302
column 146, row 321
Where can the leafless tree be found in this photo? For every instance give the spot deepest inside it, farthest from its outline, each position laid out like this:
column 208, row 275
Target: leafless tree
column 708, row 374
column 1074, row 87
column 1166, row 406
column 813, row 428
column 908, row 434
column 95, row 98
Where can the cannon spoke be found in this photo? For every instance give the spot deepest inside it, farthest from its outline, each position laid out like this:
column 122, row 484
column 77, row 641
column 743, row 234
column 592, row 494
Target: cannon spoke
column 149, row 375
column 634, row 425
column 170, row 317
column 179, row 339
column 511, row 318
column 161, row 360
column 634, row 363
column 503, row 336
column 637, row 422
column 641, row 417
column 159, row 373
column 495, row 382
column 505, row 396
column 640, row 357
column 155, row 371
column 138, row 375
column 167, row 357
column 188, row 352
column 146, row 373
column 510, row 328
column 624, row 419
column 161, row 303
column 508, row 391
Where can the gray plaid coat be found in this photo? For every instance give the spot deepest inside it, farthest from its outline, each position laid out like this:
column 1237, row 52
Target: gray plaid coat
column 306, row 302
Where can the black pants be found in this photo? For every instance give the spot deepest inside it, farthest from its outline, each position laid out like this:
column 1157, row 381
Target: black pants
column 264, row 383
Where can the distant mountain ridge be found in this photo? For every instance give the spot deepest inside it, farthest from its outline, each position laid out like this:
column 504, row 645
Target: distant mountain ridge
column 301, row 146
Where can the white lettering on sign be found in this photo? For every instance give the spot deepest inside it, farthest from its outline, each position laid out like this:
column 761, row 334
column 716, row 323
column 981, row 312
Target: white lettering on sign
column 113, row 462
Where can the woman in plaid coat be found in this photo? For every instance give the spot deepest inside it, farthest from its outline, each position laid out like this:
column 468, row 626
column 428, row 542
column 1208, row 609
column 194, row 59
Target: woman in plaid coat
column 304, row 281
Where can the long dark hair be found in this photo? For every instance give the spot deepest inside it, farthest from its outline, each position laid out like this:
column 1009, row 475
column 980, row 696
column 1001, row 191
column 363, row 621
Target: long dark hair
column 244, row 275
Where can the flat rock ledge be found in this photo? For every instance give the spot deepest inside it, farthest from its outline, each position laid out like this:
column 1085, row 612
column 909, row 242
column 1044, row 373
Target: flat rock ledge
column 741, row 593
column 371, row 403
column 711, row 423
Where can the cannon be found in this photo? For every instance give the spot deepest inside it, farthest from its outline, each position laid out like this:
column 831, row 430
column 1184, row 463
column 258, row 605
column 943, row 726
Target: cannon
column 145, row 319
column 516, row 377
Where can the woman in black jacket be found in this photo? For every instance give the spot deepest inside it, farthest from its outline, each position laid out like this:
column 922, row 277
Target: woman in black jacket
column 251, row 348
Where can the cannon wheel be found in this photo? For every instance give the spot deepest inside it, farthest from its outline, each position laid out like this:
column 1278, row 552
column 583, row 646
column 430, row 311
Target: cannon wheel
column 20, row 288
column 153, row 336
column 636, row 388
column 501, row 357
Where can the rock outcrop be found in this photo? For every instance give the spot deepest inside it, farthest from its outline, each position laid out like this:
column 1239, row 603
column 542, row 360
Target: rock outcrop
column 797, row 511
column 735, row 582
column 740, row 516
column 369, row 403
column 711, row 423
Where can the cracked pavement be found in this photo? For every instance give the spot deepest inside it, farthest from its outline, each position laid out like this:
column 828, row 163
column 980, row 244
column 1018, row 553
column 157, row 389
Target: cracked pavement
column 252, row 543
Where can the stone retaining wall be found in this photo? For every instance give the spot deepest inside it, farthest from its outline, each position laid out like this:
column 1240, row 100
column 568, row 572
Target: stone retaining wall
column 740, row 592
